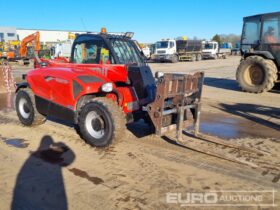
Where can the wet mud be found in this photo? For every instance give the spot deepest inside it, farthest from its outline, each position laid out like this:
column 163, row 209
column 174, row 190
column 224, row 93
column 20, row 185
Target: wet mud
column 231, row 127
column 85, row 175
column 15, row 142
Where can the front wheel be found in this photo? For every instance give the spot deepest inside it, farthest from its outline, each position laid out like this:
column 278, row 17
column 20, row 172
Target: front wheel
column 175, row 59
column 101, row 121
column 26, row 109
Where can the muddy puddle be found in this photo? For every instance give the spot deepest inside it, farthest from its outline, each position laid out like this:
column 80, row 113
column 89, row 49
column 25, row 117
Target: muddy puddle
column 232, row 127
column 6, row 101
column 15, row 142
column 224, row 126
column 18, row 143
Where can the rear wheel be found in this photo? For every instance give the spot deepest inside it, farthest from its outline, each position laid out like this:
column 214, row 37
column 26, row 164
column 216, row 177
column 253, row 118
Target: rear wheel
column 101, row 121
column 198, row 57
column 26, row 109
column 256, row 74
column 193, row 57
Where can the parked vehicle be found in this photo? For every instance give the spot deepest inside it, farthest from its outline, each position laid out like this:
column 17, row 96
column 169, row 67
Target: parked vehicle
column 165, row 50
column 214, row 51
column 9, row 50
column 63, row 49
column 105, row 85
column 236, row 49
column 172, row 50
column 189, row 50
column 146, row 51
column 259, row 68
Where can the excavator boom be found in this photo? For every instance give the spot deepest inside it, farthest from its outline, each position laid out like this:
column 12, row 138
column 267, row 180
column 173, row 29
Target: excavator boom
column 30, row 38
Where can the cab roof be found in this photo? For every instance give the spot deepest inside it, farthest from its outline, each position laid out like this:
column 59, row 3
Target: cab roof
column 260, row 15
column 108, row 35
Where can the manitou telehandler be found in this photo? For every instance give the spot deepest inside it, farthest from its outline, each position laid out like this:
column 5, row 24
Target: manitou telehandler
column 105, row 85
column 260, row 48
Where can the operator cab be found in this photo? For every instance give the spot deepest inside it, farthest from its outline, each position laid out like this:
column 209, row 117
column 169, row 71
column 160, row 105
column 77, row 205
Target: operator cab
column 262, row 33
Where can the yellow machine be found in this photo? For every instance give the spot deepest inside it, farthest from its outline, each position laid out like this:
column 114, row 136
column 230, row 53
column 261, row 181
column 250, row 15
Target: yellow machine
column 71, row 35
column 9, row 50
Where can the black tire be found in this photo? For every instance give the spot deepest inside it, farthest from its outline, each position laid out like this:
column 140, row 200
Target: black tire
column 101, row 121
column 198, row 57
column 175, row 59
column 256, row 74
column 193, row 58
column 26, row 108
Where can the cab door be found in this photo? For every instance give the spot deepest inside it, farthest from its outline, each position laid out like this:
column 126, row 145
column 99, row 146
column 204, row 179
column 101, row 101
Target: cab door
column 251, row 34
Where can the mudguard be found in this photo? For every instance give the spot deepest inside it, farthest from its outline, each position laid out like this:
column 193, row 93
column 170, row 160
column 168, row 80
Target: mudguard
column 22, row 85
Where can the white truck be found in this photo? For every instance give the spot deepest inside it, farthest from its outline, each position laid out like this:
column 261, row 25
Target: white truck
column 214, row 51
column 63, row 49
column 147, row 52
column 178, row 50
column 165, row 50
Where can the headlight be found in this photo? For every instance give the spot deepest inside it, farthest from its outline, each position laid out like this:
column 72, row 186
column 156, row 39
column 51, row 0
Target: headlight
column 107, row 87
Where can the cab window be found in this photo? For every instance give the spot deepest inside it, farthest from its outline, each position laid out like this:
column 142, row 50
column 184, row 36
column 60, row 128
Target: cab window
column 91, row 50
column 126, row 51
column 251, row 31
column 271, row 32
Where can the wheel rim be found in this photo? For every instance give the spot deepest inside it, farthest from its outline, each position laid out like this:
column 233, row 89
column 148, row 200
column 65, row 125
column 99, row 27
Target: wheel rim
column 95, row 125
column 24, row 108
column 254, row 75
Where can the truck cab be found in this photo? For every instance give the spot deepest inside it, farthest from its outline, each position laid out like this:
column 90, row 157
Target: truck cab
column 213, row 50
column 165, row 50
column 210, row 50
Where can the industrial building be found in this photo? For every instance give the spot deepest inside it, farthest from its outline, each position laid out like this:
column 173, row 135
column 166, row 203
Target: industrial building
column 8, row 34
column 46, row 36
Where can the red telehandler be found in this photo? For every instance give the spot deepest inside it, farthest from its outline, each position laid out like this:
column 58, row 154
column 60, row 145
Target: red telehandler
column 105, row 85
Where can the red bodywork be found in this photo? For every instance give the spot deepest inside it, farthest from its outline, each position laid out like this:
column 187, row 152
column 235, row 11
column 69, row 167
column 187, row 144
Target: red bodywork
column 55, row 83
